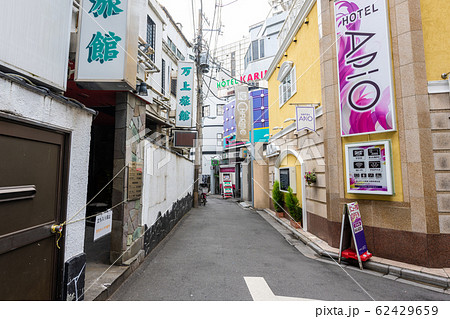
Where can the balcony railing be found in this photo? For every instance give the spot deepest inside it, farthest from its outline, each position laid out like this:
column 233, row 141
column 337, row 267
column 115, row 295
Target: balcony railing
column 290, row 19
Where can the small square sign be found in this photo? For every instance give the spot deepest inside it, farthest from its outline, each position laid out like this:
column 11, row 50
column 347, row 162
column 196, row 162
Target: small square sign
column 103, row 224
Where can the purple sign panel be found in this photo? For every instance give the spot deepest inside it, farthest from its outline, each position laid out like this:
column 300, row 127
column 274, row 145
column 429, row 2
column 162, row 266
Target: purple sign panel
column 356, row 223
column 366, row 92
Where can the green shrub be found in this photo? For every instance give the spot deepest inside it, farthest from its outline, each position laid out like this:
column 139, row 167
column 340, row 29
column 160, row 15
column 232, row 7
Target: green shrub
column 277, row 197
column 292, row 205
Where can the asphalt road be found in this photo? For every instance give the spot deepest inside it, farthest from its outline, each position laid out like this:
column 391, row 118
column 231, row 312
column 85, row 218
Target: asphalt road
column 213, row 249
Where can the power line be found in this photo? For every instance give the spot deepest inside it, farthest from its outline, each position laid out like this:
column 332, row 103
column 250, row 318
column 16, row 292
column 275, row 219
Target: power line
column 229, row 3
column 209, row 88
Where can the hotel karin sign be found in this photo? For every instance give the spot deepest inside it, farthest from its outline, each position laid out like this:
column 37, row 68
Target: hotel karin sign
column 364, row 67
column 246, row 78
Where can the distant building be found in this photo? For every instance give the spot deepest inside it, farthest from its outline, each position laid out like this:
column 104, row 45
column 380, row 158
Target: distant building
column 260, row 51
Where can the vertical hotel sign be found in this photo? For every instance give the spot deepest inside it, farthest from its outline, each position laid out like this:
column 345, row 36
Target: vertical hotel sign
column 366, row 92
column 185, row 94
column 242, row 113
column 107, row 44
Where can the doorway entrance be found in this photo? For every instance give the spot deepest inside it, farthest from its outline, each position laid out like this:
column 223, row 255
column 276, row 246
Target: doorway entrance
column 32, row 198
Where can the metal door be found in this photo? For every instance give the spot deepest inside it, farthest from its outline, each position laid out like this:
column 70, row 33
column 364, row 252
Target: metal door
column 32, row 185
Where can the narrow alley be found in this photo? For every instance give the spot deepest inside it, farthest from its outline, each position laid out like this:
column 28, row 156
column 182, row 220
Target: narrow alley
column 217, row 250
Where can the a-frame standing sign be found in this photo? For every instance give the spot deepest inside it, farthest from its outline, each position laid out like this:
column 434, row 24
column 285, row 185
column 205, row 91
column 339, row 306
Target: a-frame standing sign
column 351, row 227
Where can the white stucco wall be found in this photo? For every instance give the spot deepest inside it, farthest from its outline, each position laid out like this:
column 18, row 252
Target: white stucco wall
column 167, row 178
column 27, row 104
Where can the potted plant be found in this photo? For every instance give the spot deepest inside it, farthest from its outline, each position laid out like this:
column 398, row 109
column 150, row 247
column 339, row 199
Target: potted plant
column 294, row 208
column 277, row 199
column 310, row 178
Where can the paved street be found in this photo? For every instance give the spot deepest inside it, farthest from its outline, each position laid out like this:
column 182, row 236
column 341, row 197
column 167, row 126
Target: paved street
column 223, row 252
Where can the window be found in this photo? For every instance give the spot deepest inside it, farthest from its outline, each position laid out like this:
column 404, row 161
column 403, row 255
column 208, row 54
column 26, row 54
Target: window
column 233, row 63
column 163, row 77
column 206, row 111
column 219, row 139
column 172, row 45
column 248, row 57
column 288, row 178
column 287, row 87
column 261, row 48
column 173, row 86
column 180, row 56
column 151, row 35
column 220, row 109
column 255, row 50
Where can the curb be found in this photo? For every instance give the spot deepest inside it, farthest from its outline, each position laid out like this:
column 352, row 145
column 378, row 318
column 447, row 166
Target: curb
column 132, row 264
column 384, row 269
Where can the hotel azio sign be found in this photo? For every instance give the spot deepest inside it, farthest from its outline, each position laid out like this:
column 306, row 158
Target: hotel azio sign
column 366, row 91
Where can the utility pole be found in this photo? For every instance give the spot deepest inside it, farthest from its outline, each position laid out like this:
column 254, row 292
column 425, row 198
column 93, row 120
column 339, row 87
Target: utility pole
column 198, row 126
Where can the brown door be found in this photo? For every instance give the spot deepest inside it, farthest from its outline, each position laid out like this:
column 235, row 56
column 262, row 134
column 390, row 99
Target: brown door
column 31, row 188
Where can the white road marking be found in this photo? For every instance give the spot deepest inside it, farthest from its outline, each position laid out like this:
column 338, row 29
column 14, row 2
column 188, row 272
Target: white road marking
column 260, row 291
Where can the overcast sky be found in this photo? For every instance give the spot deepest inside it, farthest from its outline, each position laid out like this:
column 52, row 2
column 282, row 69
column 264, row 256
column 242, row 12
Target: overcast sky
column 236, row 16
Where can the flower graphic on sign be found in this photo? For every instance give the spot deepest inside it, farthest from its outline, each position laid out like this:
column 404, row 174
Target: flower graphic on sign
column 364, row 75
column 106, row 8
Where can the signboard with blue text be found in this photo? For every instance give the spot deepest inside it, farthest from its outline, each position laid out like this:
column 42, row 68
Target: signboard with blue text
column 305, row 117
column 107, row 44
column 185, row 94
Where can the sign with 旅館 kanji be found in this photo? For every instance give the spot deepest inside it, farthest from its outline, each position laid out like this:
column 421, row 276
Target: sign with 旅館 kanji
column 104, row 52
column 185, row 94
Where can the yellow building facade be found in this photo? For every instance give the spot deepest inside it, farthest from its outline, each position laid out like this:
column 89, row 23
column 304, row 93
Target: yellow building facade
column 408, row 220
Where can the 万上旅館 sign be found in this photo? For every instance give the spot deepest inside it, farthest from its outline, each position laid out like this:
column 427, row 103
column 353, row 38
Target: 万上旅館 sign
column 366, row 92
column 185, row 94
